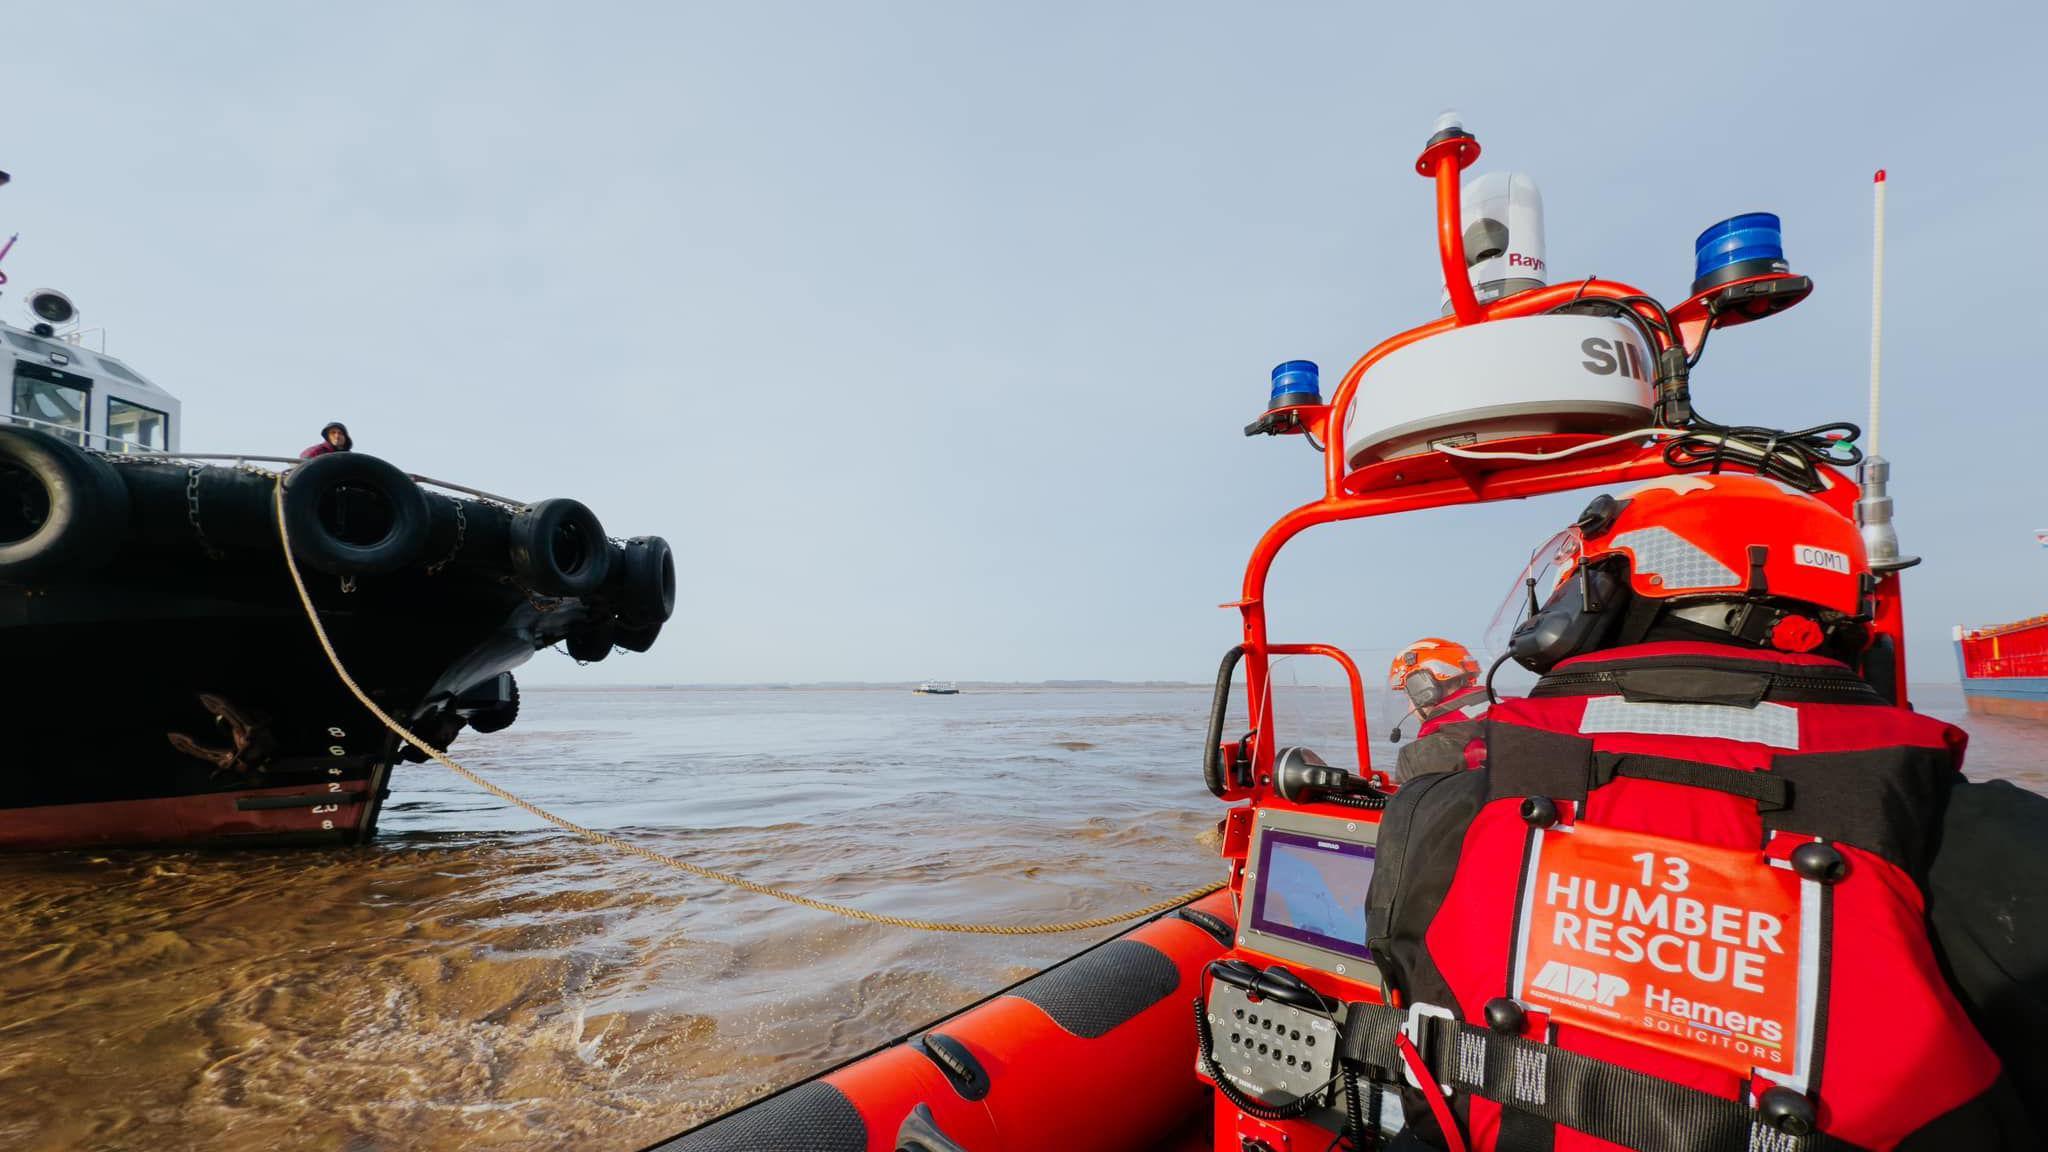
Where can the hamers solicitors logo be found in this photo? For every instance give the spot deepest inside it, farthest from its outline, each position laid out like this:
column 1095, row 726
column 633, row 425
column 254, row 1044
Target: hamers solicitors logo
column 1583, row 984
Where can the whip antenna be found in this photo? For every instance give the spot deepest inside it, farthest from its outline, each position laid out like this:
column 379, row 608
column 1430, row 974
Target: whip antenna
column 1876, row 306
column 1874, row 509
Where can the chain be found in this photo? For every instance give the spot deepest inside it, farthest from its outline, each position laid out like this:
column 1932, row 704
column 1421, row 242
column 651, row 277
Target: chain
column 461, row 531
column 607, row 839
column 192, row 511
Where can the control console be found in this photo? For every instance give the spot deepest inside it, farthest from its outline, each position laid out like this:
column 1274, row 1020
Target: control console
column 1272, row 1051
column 1275, row 1008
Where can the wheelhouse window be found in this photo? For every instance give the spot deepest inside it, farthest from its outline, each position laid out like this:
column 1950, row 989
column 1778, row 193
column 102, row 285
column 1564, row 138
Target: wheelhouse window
column 56, row 402
column 135, row 428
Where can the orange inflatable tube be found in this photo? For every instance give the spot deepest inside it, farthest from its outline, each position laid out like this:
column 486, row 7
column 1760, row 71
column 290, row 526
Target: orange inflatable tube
column 1095, row 1054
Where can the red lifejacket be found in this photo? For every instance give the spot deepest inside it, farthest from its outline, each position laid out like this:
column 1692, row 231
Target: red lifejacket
column 1704, row 865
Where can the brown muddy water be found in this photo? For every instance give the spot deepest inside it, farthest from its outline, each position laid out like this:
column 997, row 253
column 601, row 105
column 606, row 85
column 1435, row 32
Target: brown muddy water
column 476, row 980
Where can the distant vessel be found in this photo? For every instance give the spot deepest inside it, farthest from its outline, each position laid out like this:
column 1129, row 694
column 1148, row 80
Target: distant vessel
column 937, row 688
column 2005, row 668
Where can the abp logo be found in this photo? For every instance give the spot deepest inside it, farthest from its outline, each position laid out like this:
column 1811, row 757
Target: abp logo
column 1577, row 983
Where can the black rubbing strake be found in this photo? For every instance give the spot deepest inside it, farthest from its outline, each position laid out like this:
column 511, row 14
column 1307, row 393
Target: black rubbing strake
column 1092, row 994
column 813, row 1117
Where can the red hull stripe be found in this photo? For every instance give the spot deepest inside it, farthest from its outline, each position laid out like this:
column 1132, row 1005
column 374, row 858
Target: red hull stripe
column 1988, row 705
column 211, row 817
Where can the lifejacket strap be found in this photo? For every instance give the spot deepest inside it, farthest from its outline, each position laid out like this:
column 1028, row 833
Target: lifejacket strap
column 1433, row 1093
column 1886, row 801
column 1699, row 679
column 1526, row 761
column 1666, row 685
column 1771, row 793
column 1602, row 1100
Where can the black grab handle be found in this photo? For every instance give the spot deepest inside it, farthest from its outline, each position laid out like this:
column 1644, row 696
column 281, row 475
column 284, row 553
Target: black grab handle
column 1214, row 772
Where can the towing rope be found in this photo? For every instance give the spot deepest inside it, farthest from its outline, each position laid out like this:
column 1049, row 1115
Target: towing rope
column 663, row 858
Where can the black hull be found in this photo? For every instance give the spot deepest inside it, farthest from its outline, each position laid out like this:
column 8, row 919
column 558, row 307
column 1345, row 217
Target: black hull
column 121, row 665
column 176, row 693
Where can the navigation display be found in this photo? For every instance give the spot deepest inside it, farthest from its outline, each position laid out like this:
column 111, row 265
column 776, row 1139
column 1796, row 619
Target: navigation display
column 1312, row 891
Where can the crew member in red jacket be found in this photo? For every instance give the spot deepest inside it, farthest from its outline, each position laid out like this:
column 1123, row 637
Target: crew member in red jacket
column 1441, row 682
column 333, row 438
column 1707, row 887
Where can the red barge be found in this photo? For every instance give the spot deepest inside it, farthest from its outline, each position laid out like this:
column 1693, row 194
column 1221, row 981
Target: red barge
column 2005, row 668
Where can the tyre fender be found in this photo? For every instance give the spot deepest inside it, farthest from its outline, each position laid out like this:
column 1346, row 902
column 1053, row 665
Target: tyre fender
column 592, row 642
column 646, row 572
column 62, row 511
column 559, row 548
column 502, row 713
column 310, row 485
column 636, row 637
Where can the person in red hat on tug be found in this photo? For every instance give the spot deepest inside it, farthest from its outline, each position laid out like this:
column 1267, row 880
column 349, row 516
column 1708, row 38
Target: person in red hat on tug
column 1707, row 887
column 333, row 438
column 1440, row 678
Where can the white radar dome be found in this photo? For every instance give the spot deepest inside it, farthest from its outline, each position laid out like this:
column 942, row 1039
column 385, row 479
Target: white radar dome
column 1530, row 376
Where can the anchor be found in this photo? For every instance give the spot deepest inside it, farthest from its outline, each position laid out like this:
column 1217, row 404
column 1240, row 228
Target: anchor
column 252, row 743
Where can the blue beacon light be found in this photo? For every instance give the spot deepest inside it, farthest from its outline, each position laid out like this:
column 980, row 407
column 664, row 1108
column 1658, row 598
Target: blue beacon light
column 1295, row 383
column 1737, row 248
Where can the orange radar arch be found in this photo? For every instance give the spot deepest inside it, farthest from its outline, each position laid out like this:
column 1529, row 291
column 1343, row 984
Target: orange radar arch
column 1435, row 480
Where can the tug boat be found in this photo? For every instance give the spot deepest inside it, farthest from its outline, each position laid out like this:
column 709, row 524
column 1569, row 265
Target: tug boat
column 164, row 686
column 2005, row 668
column 1237, row 1023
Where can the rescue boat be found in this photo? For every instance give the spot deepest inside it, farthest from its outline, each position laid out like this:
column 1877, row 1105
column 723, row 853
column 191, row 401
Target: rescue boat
column 1259, row 1019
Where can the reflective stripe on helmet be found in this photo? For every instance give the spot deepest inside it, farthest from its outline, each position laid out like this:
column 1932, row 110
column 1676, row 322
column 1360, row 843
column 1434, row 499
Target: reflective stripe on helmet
column 1675, row 563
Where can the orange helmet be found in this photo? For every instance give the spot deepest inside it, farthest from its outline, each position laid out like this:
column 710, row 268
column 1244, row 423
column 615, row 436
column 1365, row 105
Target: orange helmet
column 1431, row 669
column 1713, row 557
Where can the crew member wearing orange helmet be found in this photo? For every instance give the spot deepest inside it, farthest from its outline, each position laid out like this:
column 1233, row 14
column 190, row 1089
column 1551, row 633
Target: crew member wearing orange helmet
column 1441, row 681
column 1706, row 886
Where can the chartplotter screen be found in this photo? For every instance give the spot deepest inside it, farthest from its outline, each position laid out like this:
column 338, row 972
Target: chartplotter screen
column 1312, row 891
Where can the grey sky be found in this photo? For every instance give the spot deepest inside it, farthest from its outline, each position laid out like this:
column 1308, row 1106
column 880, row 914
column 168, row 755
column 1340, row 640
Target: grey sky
column 926, row 332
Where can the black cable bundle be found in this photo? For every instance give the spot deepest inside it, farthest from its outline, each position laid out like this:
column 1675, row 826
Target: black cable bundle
column 1625, row 308
column 1792, row 457
column 1372, row 802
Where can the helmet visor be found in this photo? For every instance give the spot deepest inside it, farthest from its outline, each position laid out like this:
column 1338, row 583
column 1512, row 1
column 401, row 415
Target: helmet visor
column 1434, row 682
column 1552, row 561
